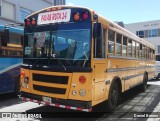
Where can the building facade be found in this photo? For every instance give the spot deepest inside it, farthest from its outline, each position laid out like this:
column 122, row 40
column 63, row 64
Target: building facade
column 15, row 11
column 149, row 31
column 12, row 11
column 59, row 2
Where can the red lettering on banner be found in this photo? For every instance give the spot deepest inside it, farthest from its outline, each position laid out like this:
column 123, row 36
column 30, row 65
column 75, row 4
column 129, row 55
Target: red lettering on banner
column 56, row 16
column 49, row 17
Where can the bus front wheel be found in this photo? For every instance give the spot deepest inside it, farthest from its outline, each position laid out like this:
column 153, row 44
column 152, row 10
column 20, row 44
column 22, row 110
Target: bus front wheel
column 113, row 97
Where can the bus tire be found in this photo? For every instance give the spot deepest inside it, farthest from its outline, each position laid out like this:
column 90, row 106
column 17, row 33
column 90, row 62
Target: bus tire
column 17, row 86
column 144, row 84
column 113, row 98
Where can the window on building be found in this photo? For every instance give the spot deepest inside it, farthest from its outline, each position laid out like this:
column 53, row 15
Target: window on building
column 157, row 57
column 124, row 48
column 153, row 33
column 8, row 10
column 111, row 37
column 24, row 13
column 140, row 33
column 118, row 44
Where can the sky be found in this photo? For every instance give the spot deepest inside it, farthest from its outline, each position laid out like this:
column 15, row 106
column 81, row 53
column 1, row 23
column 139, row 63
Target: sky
column 128, row 11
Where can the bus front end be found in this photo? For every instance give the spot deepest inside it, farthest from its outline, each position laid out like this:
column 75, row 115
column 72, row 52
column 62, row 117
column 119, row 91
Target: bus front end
column 56, row 67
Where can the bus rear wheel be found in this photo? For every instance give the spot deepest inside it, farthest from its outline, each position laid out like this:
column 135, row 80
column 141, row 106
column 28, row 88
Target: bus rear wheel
column 113, row 97
column 144, row 84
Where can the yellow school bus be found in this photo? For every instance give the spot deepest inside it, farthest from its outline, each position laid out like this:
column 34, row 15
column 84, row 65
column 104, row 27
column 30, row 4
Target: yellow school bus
column 74, row 58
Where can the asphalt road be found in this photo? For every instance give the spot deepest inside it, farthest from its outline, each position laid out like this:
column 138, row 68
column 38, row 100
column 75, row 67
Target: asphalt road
column 134, row 104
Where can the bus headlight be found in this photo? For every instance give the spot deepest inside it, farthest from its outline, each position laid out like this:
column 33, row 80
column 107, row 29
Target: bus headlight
column 74, row 92
column 26, row 80
column 22, row 85
column 82, row 92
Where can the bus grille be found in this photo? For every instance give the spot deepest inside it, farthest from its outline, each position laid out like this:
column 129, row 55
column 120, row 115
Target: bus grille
column 50, row 78
column 49, row 89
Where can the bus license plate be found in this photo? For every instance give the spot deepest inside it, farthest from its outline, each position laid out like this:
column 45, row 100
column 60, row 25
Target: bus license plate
column 47, row 99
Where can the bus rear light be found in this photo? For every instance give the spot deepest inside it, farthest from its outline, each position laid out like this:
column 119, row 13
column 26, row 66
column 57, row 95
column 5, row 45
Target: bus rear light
column 76, row 16
column 22, row 74
column 82, row 79
column 85, row 16
column 33, row 22
column 27, row 22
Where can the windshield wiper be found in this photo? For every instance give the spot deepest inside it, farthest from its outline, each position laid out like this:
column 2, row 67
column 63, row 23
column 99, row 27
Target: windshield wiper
column 57, row 57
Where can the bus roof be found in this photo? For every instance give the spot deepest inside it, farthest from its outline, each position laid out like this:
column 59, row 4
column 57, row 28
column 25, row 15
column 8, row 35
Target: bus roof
column 108, row 23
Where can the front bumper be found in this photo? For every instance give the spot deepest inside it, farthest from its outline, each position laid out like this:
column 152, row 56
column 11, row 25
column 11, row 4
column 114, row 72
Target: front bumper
column 62, row 103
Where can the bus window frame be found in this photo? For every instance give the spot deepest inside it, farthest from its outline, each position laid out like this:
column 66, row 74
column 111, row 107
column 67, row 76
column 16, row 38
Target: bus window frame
column 102, row 38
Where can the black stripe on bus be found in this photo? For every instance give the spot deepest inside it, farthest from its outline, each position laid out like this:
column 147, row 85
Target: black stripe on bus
column 127, row 69
column 52, row 90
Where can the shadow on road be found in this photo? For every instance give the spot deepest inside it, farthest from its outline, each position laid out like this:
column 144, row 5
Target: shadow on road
column 133, row 102
column 9, row 100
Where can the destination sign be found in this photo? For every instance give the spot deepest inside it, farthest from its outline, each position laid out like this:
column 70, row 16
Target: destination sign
column 54, row 17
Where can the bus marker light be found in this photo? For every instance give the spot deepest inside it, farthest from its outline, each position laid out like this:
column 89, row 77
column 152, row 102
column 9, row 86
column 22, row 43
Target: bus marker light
column 82, row 92
column 53, row 9
column 59, row 8
column 84, row 16
column 22, row 85
column 22, row 74
column 76, row 16
column 48, row 10
column 82, row 79
column 27, row 86
column 26, row 80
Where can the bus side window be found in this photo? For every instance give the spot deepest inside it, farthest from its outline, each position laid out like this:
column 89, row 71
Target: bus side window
column 100, row 45
column 130, row 48
column 140, row 53
column 133, row 49
column 111, row 37
column 137, row 49
column 143, row 52
column 151, row 54
column 124, row 48
column 118, row 44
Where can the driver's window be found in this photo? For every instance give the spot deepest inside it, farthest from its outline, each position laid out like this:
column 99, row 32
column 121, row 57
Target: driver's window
column 100, row 45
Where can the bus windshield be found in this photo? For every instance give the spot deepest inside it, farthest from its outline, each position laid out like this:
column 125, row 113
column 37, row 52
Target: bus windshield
column 70, row 46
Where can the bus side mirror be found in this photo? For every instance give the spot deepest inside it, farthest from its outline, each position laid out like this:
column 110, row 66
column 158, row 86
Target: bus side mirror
column 97, row 30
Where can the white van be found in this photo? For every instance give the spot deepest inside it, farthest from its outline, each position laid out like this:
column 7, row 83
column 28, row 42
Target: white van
column 157, row 72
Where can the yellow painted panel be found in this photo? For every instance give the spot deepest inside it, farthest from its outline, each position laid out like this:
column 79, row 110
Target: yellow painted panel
column 99, row 89
column 77, row 86
column 27, row 87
